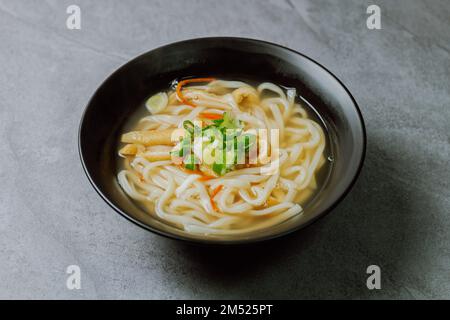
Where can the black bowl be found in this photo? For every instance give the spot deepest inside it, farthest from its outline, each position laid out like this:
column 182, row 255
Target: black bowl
column 236, row 58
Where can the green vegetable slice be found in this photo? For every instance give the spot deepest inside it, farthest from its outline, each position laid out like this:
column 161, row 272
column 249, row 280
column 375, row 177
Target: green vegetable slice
column 157, row 102
column 189, row 162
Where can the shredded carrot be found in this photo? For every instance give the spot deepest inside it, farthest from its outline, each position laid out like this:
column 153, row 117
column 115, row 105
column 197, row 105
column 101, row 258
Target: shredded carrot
column 213, row 194
column 184, row 82
column 216, row 191
column 206, row 178
column 213, row 204
column 192, row 171
column 211, row 116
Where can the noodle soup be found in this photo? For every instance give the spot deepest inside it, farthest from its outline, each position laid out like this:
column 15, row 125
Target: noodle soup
column 212, row 156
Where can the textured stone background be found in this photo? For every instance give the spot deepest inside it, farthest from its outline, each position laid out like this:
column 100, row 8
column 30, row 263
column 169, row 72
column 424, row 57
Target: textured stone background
column 396, row 217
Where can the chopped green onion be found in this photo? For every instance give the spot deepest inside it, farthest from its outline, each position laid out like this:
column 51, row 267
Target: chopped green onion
column 219, row 168
column 229, row 122
column 186, row 146
column 189, row 162
column 189, row 126
column 228, row 133
column 177, row 153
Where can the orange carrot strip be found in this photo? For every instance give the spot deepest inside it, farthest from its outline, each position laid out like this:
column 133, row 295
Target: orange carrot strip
column 211, row 116
column 206, row 178
column 213, row 194
column 184, row 82
column 213, row 204
column 193, row 171
column 216, row 191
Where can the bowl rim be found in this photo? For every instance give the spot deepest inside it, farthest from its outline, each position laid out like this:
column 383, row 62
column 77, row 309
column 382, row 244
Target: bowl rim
column 209, row 241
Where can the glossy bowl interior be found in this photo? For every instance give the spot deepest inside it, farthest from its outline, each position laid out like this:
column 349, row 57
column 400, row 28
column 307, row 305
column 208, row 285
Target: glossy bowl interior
column 232, row 58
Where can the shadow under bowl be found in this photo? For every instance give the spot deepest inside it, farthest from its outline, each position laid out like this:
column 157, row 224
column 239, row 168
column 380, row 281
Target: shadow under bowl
column 232, row 58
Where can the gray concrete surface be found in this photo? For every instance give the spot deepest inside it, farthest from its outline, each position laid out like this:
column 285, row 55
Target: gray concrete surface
column 397, row 216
